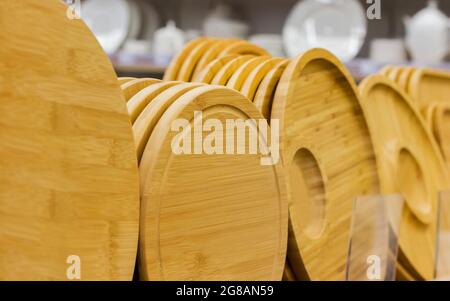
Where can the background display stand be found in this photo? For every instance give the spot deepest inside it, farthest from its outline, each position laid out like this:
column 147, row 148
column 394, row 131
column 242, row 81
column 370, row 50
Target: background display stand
column 373, row 243
column 442, row 269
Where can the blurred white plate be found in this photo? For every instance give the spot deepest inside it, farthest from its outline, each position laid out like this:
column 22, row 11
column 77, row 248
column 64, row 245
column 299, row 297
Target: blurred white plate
column 271, row 42
column 109, row 20
column 339, row 26
column 135, row 20
column 150, row 20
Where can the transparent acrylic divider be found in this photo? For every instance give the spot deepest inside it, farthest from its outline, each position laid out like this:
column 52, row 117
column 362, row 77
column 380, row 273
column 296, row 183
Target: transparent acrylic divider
column 373, row 244
column 442, row 269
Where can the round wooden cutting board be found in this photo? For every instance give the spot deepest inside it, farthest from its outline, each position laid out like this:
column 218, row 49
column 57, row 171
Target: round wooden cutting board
column 191, row 229
column 130, row 88
column 147, row 120
column 212, row 53
column 328, row 155
column 251, row 83
column 69, row 194
column 241, row 74
column 409, row 162
column 187, row 68
column 266, row 89
column 208, row 73
column 176, row 63
column 140, row 100
column 222, row 77
column 123, row 80
column 244, row 48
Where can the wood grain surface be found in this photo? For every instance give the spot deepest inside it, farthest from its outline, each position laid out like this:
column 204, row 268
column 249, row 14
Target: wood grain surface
column 409, row 162
column 68, row 168
column 191, row 229
column 328, row 154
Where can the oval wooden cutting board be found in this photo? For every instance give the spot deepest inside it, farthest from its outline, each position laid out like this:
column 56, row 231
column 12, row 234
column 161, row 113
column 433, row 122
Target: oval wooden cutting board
column 266, row 89
column 190, row 62
column 244, row 48
column 191, row 229
column 409, row 162
column 174, row 67
column 251, row 83
column 209, row 72
column 227, row 71
column 130, row 88
column 148, row 118
column 68, row 171
column 328, row 155
column 238, row 77
column 140, row 100
column 212, row 53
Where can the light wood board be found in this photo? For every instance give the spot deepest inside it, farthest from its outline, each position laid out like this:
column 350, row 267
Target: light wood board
column 190, row 228
column 130, row 88
column 409, row 162
column 266, row 90
column 68, row 168
column 209, row 72
column 329, row 159
column 251, row 83
column 139, row 101
column 176, row 63
column 241, row 74
column 187, row 68
column 222, row 77
column 148, row 118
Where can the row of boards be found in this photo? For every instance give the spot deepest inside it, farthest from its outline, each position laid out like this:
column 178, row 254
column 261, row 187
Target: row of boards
column 77, row 178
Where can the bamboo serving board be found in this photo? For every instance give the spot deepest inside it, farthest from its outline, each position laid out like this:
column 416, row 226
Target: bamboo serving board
column 222, row 77
column 123, row 80
column 241, row 74
column 207, row 74
column 187, row 68
column 409, row 162
column 190, row 228
column 68, row 169
column 130, row 88
column 428, row 86
column 244, row 48
column 329, row 158
column 266, row 89
column 212, row 53
column 253, row 80
column 139, row 101
column 147, row 120
column 176, row 63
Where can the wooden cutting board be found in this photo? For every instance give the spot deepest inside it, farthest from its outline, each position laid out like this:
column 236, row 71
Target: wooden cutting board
column 405, row 77
column 208, row 73
column 123, row 80
column 244, row 48
column 241, row 74
column 68, row 168
column 329, row 158
column 212, row 53
column 222, row 77
column 409, row 162
column 428, row 86
column 187, row 68
column 147, row 120
column 130, row 88
column 252, row 82
column 175, row 65
column 191, row 229
column 266, row 89
column 139, row 101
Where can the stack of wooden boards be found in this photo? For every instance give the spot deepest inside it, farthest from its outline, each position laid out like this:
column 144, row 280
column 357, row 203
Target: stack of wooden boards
column 87, row 168
column 376, row 138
